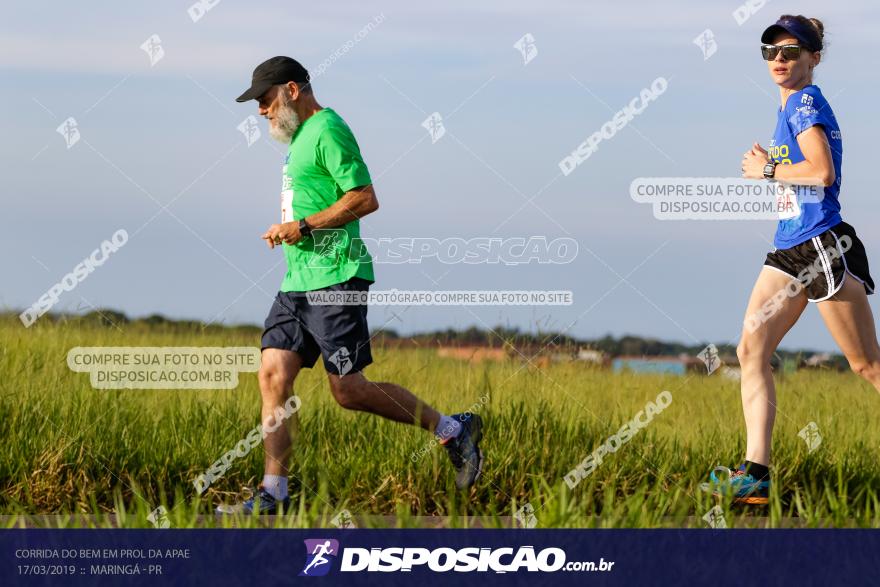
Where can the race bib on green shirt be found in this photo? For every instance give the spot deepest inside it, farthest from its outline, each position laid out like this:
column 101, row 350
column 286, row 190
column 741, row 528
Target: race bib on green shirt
column 286, row 195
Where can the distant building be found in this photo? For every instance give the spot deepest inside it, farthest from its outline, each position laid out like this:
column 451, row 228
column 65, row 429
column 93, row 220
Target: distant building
column 591, row 356
column 473, row 354
column 664, row 365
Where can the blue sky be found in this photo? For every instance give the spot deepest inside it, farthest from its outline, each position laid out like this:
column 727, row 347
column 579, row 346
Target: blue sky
column 166, row 135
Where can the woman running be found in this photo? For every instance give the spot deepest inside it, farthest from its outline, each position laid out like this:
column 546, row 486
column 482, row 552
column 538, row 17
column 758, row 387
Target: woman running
column 817, row 257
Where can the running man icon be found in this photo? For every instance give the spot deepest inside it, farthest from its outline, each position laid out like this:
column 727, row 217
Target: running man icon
column 317, row 551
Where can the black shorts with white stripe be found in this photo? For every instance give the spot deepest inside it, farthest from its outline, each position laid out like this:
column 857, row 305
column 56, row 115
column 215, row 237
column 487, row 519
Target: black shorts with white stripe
column 822, row 263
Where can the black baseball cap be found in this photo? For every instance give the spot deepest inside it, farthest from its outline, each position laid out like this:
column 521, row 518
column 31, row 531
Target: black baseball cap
column 272, row 72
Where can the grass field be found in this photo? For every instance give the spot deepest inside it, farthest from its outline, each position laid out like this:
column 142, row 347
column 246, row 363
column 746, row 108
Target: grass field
column 68, row 448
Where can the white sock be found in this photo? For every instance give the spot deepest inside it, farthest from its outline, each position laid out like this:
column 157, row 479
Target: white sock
column 276, row 486
column 447, row 428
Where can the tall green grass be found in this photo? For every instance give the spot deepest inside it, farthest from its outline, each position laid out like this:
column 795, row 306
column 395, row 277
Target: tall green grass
column 116, row 455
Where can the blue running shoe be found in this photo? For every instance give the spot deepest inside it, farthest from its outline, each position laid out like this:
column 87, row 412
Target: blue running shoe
column 739, row 485
column 262, row 503
column 464, row 450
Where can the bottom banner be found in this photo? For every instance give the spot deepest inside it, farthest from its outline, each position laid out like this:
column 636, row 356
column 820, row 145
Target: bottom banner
column 436, row 557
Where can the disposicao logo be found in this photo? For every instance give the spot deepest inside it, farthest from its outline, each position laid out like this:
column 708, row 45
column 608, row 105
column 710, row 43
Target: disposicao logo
column 321, row 552
column 318, row 553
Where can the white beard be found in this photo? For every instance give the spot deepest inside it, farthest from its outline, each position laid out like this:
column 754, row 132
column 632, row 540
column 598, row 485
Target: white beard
column 285, row 124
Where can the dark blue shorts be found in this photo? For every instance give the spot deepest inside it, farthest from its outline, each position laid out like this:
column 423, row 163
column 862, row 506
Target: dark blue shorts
column 339, row 334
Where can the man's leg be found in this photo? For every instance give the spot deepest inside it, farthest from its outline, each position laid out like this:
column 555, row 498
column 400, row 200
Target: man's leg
column 460, row 434
column 344, row 338
column 389, row 400
column 278, row 370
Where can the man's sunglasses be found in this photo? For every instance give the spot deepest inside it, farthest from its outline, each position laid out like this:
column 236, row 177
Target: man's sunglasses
column 789, row 52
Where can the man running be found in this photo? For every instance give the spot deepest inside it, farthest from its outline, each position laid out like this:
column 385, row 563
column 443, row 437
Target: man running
column 326, row 189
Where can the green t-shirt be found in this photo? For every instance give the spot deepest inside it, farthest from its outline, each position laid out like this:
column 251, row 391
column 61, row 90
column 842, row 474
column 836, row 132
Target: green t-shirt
column 323, row 162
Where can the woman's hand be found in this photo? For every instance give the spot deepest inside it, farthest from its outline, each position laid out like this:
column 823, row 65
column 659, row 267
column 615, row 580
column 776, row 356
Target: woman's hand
column 754, row 161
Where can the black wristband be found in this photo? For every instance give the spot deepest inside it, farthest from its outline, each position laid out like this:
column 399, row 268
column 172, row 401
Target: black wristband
column 304, row 228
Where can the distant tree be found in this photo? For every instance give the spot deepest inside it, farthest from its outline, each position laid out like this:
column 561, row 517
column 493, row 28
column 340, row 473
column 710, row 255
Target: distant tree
column 155, row 320
column 105, row 317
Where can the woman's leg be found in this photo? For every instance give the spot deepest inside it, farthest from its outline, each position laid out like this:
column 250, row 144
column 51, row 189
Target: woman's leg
column 771, row 313
column 848, row 317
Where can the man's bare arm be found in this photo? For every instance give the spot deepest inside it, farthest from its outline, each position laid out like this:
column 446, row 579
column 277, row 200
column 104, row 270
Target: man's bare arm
column 353, row 205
